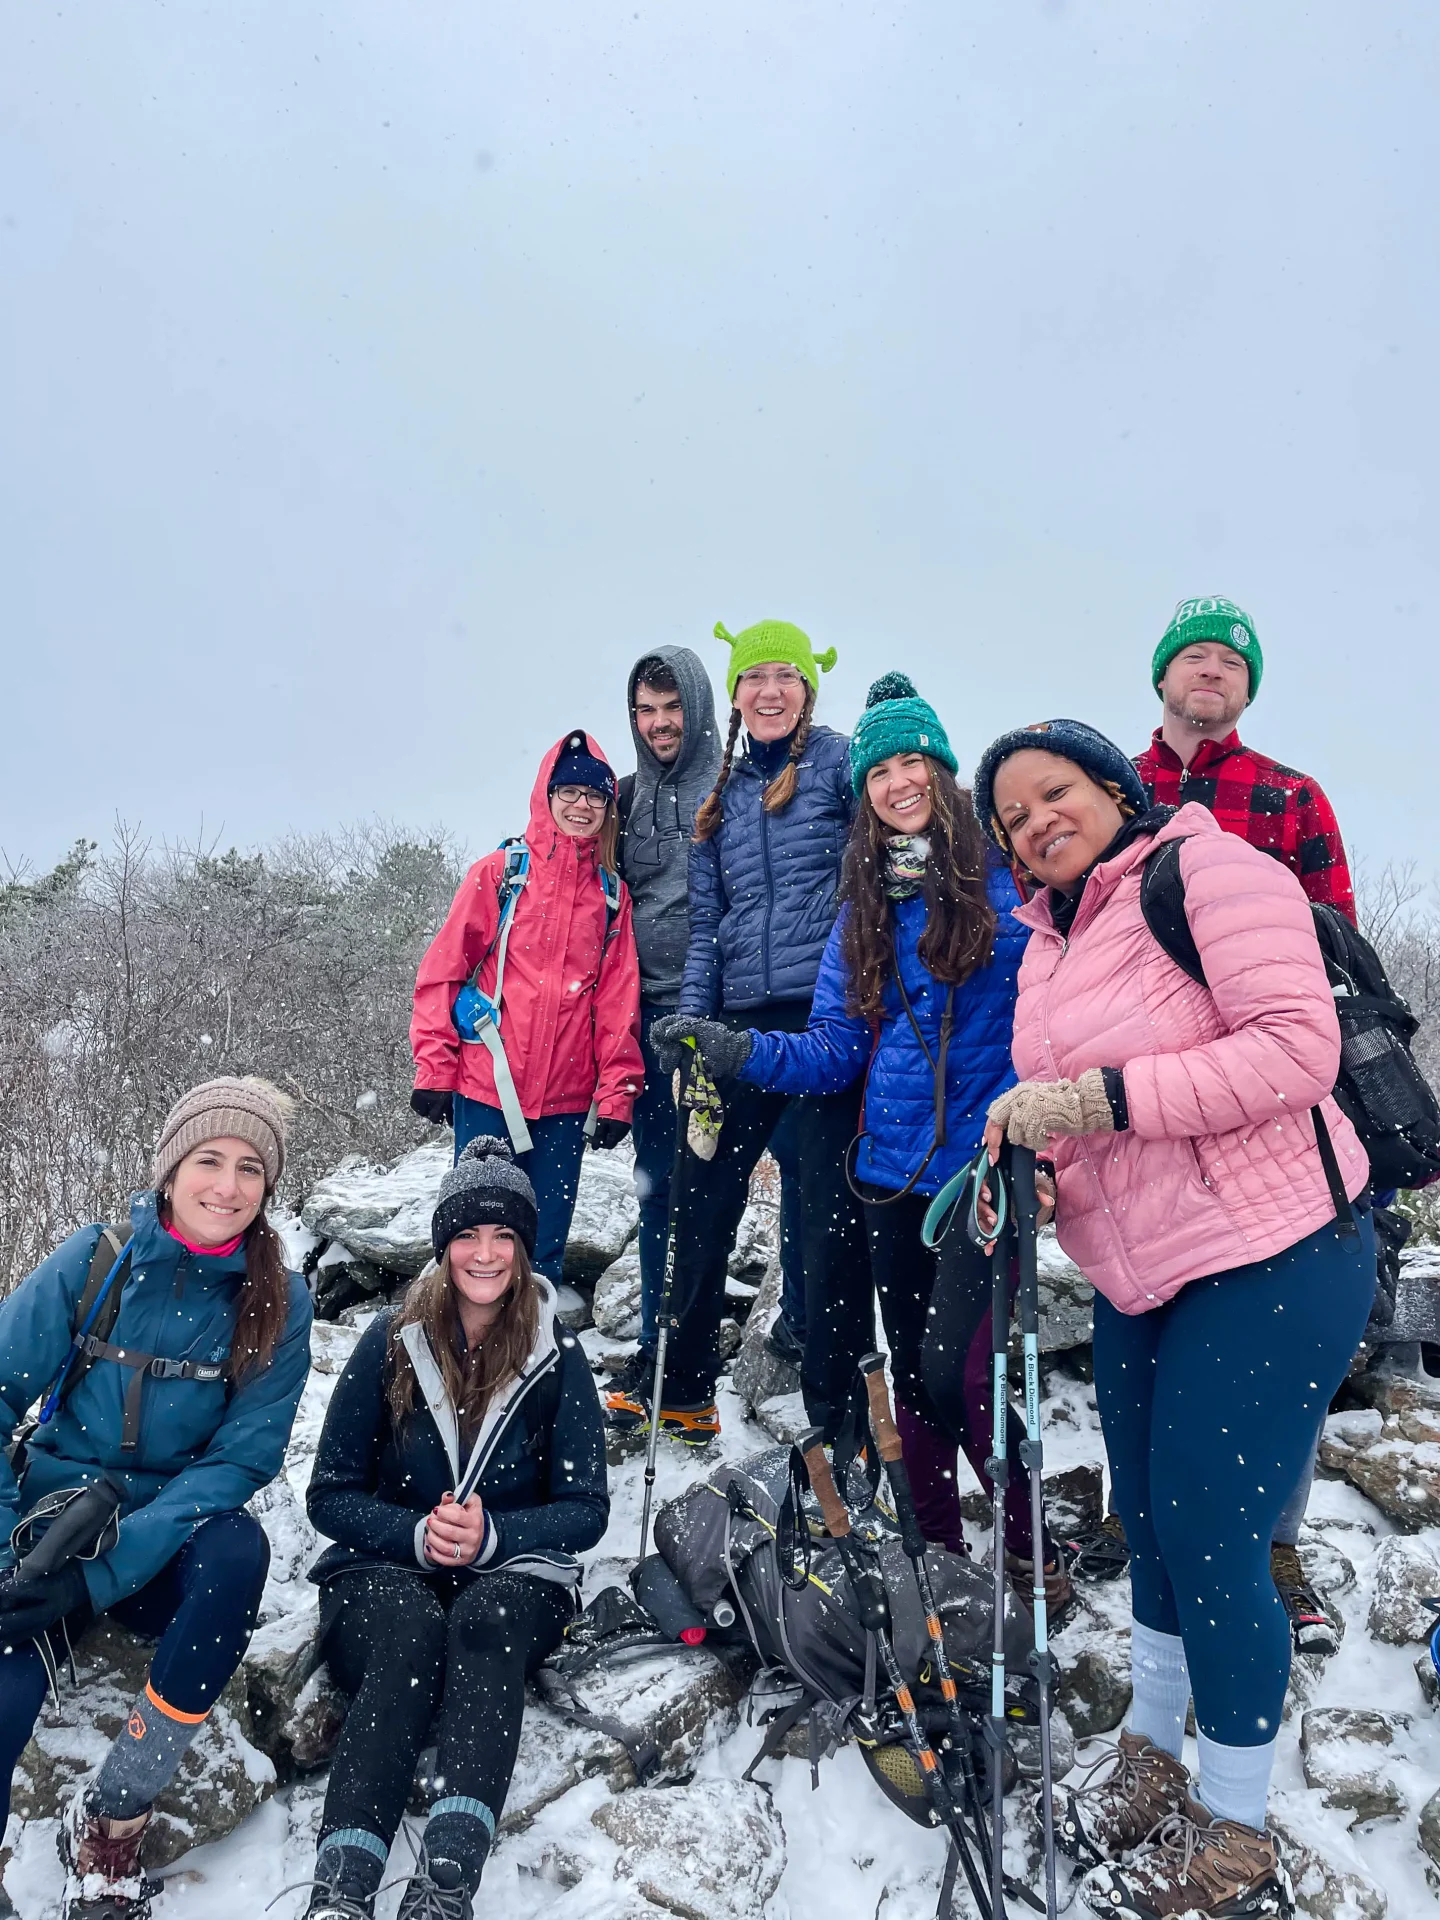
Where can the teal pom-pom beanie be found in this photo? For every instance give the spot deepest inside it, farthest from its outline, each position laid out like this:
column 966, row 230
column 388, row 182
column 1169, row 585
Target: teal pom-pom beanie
column 1211, row 619
column 896, row 720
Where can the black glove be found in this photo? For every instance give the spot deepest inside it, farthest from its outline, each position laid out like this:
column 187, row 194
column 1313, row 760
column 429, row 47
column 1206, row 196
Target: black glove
column 29, row 1608
column 723, row 1049
column 608, row 1134
column 434, row 1106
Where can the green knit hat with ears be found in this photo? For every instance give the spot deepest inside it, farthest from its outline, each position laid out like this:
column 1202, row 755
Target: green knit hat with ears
column 771, row 640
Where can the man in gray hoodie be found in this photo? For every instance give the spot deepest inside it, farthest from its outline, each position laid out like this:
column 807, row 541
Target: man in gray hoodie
column 677, row 760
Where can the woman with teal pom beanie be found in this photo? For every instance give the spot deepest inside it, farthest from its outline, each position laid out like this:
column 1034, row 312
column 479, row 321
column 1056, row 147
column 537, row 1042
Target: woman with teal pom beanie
column 917, row 983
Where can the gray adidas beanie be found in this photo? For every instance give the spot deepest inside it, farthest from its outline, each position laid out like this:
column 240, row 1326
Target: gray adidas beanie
column 485, row 1188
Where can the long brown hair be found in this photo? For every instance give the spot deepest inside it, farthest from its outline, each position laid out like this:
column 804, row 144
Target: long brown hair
column 959, row 919
column 472, row 1375
column 781, row 790
column 263, row 1307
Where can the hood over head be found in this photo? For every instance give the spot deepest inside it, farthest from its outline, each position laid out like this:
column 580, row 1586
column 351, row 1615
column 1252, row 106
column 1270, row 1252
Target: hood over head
column 542, row 821
column 700, row 749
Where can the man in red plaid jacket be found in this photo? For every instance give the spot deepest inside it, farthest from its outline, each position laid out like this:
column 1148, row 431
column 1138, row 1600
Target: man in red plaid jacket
column 1207, row 670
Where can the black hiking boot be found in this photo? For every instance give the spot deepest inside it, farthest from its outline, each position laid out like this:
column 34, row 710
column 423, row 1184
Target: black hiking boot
column 783, row 1343
column 635, row 1376
column 1103, row 1554
column 1312, row 1627
column 436, row 1891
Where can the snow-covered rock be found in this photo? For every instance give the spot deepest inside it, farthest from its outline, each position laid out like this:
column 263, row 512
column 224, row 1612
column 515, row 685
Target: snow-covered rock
column 1325, row 1889
column 1406, row 1573
column 758, row 1375
column 1095, row 1685
column 222, row 1778
column 757, row 1241
column 1428, row 1834
column 1067, row 1299
column 783, row 1417
column 606, row 1217
column 714, row 1850
column 1348, row 1762
column 382, row 1214
column 616, row 1307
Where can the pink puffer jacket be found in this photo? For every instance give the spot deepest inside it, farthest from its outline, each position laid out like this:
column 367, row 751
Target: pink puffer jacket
column 1218, row 1166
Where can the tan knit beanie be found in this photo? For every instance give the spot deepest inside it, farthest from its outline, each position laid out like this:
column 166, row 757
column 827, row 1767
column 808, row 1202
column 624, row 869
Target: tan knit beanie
column 249, row 1109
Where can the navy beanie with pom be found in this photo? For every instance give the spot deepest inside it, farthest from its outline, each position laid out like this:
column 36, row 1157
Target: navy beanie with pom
column 1072, row 740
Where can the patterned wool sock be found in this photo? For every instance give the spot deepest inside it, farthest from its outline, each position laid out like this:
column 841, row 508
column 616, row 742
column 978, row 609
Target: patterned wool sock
column 144, row 1756
column 1161, row 1683
column 461, row 1829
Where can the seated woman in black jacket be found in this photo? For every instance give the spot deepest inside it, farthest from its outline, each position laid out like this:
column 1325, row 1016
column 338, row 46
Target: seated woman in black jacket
column 460, row 1472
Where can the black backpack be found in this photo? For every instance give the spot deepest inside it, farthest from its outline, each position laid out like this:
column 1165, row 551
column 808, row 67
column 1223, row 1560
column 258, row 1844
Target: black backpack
column 1380, row 1090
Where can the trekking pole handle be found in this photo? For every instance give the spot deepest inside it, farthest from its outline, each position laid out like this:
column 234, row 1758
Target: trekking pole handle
column 887, row 1434
column 812, row 1451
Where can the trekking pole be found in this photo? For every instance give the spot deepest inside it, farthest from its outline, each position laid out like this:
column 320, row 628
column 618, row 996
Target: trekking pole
column 912, row 1538
column 667, row 1289
column 867, row 1583
column 1027, row 1209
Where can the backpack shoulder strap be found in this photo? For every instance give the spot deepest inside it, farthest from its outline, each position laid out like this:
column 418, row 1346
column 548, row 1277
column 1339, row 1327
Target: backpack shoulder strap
column 1162, row 902
column 625, row 799
column 610, row 887
column 94, row 1316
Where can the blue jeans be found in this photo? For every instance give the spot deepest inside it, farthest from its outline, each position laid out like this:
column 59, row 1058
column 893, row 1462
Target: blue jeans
column 201, row 1607
column 653, row 1130
column 1209, row 1406
column 553, row 1164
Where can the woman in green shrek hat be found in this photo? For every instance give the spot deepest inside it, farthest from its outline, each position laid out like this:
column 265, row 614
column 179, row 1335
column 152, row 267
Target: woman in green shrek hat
column 764, row 880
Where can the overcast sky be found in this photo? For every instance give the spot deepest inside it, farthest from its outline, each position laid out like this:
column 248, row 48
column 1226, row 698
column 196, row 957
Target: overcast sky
column 377, row 381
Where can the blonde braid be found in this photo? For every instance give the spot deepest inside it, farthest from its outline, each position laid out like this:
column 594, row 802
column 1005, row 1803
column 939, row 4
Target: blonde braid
column 711, row 812
column 781, row 790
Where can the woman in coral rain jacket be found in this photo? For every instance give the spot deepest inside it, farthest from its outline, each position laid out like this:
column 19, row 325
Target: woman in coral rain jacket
column 1230, row 1295
column 570, row 996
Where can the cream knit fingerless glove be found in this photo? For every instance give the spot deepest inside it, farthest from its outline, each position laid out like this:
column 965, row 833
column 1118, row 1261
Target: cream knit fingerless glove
column 1037, row 1109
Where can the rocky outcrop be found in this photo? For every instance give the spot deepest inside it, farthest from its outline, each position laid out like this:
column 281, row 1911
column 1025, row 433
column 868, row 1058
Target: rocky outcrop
column 382, row 1214
column 1347, row 1758
column 714, row 1850
column 1406, row 1574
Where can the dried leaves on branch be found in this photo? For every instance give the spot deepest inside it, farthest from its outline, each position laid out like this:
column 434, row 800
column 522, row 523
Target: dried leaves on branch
column 126, row 976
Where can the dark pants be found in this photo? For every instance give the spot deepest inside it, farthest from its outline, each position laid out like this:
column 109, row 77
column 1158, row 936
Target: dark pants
column 408, row 1645
column 201, row 1607
column 839, row 1308
column 653, row 1130
column 936, row 1309
column 1209, row 1405
column 553, row 1164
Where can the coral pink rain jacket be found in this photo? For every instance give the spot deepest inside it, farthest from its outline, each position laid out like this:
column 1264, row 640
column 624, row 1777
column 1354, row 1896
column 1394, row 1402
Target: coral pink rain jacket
column 570, row 1013
column 1218, row 1167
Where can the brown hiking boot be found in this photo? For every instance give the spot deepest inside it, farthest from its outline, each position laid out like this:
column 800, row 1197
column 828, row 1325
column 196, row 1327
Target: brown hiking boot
column 1112, row 1811
column 1312, row 1626
column 1059, row 1594
column 104, row 1878
column 1198, row 1868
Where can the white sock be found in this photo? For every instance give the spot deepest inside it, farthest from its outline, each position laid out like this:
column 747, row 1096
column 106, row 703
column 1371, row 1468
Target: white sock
column 1161, row 1683
column 1235, row 1781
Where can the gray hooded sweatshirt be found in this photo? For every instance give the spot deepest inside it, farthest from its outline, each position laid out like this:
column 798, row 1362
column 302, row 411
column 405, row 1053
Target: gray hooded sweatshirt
column 655, row 845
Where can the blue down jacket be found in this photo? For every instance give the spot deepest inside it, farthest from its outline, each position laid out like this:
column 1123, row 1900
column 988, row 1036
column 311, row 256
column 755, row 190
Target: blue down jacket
column 899, row 1116
column 763, row 890
column 204, row 1448
column 537, row 1462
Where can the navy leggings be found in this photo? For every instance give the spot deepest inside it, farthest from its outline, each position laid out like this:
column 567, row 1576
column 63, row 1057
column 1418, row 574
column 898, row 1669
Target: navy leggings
column 553, row 1164
column 201, row 1607
column 1210, row 1405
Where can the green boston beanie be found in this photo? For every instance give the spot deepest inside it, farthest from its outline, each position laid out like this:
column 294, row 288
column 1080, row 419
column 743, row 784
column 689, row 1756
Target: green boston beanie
column 772, row 640
column 1220, row 620
column 896, row 720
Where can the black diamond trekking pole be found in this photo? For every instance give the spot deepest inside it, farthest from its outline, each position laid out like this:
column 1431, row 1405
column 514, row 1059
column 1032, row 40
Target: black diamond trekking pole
column 1027, row 1211
column 892, row 1451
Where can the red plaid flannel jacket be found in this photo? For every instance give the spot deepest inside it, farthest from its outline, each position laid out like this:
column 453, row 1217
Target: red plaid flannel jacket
column 1273, row 807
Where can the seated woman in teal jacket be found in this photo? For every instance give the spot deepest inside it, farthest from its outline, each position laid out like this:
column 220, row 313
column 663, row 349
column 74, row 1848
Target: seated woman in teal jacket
column 917, row 985
column 185, row 1407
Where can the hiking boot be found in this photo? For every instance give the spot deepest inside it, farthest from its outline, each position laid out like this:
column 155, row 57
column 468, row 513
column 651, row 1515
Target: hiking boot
column 696, row 1422
column 103, row 1876
column 333, row 1903
column 1198, row 1868
column 783, row 1343
column 1313, row 1629
column 436, row 1891
column 1113, row 1810
column 1101, row 1555
column 1059, row 1594
column 636, row 1376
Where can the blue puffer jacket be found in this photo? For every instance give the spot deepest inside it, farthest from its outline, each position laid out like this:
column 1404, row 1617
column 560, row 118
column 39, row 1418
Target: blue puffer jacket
column 899, row 1115
column 204, row 1448
column 763, row 890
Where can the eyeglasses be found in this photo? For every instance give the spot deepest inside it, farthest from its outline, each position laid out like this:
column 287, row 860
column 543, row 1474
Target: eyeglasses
column 581, row 797
column 757, row 677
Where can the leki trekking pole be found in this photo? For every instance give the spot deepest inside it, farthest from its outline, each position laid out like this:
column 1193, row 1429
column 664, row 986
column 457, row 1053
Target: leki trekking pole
column 667, row 1293
column 912, row 1538
column 1027, row 1211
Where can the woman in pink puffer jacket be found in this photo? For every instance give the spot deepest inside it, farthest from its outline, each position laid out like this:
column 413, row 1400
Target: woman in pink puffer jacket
column 1229, row 1296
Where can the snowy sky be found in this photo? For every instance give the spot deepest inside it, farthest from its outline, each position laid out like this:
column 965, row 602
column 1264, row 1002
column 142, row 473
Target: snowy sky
column 377, row 381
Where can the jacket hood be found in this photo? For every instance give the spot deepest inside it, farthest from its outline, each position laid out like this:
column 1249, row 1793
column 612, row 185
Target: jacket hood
column 1190, row 820
column 542, row 832
column 700, row 749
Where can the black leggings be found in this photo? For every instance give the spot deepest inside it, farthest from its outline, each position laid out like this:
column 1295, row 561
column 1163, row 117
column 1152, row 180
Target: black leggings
column 405, row 1645
column 936, row 1309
